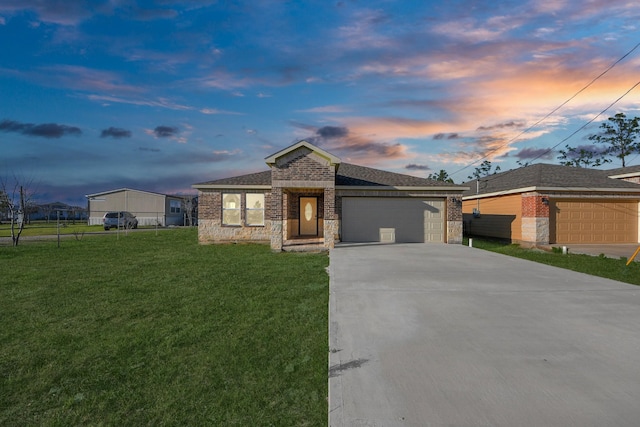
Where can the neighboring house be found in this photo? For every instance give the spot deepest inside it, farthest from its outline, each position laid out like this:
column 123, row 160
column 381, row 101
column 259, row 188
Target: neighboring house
column 310, row 199
column 53, row 211
column 545, row 204
column 629, row 173
column 149, row 208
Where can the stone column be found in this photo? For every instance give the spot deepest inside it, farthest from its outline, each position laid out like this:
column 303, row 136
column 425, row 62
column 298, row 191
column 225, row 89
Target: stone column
column 454, row 219
column 330, row 223
column 276, row 219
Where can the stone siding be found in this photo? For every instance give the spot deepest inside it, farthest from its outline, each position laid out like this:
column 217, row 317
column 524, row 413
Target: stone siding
column 454, row 232
column 212, row 231
column 535, row 231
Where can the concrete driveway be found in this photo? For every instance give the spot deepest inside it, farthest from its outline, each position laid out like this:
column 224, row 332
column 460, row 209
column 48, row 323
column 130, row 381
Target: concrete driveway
column 446, row 335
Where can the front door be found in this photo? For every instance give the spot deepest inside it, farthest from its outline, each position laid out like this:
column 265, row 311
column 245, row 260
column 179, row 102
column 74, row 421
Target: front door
column 308, row 216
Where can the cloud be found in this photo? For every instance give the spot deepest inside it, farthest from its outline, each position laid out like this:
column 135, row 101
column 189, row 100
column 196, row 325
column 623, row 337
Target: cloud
column 508, row 125
column 165, row 131
column 80, row 78
column 115, row 133
column 332, row 132
column 153, row 14
column 216, row 111
column 226, row 81
column 415, row 167
column 45, row 130
column 534, row 153
column 326, row 109
column 57, row 12
column 340, row 139
column 440, row 136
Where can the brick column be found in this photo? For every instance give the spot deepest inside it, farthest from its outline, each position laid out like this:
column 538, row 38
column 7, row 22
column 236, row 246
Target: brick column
column 535, row 219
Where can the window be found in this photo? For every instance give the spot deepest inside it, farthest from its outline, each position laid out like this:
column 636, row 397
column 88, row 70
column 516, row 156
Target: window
column 231, row 209
column 255, row 209
column 174, row 206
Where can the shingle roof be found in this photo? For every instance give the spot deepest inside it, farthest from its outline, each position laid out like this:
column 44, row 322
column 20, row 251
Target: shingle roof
column 624, row 171
column 547, row 176
column 259, row 178
column 354, row 175
column 348, row 175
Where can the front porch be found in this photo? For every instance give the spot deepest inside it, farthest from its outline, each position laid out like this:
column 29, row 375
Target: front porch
column 304, row 244
column 303, row 224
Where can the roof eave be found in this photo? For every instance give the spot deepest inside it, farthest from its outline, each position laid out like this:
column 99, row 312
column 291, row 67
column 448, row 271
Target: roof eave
column 625, row 175
column 399, row 188
column 230, row 187
column 102, row 193
column 558, row 189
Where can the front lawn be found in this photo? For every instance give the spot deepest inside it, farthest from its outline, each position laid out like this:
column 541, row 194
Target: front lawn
column 157, row 330
column 51, row 228
column 601, row 266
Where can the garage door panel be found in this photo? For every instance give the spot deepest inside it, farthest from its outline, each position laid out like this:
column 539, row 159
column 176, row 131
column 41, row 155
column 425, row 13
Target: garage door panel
column 605, row 221
column 413, row 220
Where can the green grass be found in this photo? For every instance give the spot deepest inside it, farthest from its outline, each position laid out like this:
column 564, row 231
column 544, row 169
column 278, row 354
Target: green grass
column 42, row 228
column 158, row 330
column 601, row 266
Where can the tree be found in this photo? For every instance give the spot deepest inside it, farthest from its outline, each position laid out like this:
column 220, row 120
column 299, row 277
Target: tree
column 620, row 135
column 189, row 206
column 441, row 176
column 15, row 199
column 483, row 170
column 583, row 156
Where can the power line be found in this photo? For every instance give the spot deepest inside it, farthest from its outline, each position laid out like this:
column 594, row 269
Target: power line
column 489, row 177
column 552, row 112
column 589, row 122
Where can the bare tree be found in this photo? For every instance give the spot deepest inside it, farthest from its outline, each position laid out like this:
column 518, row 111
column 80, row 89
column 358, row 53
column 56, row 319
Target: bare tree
column 188, row 206
column 16, row 198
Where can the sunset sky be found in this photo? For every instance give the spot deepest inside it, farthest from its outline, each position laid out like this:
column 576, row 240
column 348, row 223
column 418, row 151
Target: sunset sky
column 159, row 95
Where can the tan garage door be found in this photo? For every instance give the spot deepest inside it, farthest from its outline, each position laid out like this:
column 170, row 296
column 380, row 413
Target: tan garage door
column 606, row 221
column 410, row 219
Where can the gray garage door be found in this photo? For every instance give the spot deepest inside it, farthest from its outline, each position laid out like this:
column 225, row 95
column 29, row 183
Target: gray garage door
column 409, row 219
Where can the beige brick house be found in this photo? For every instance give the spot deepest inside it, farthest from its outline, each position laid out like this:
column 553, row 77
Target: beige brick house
column 310, row 199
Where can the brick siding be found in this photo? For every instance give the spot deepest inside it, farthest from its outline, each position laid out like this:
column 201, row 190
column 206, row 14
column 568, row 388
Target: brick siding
column 533, row 207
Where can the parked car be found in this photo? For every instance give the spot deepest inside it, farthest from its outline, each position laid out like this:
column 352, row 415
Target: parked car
column 122, row 219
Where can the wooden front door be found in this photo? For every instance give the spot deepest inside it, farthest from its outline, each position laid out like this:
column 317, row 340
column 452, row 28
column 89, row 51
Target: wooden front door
column 308, row 216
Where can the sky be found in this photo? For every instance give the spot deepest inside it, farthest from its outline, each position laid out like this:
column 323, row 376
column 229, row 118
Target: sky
column 160, row 95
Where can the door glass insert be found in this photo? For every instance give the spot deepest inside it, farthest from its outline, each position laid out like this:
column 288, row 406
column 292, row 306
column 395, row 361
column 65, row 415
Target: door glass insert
column 308, row 211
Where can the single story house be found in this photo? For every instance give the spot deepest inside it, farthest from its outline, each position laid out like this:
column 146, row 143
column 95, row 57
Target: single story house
column 310, row 199
column 629, row 173
column 546, row 204
column 149, row 208
column 53, row 211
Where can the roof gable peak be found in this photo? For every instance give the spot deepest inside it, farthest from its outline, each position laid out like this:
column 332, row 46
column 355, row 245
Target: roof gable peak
column 333, row 160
